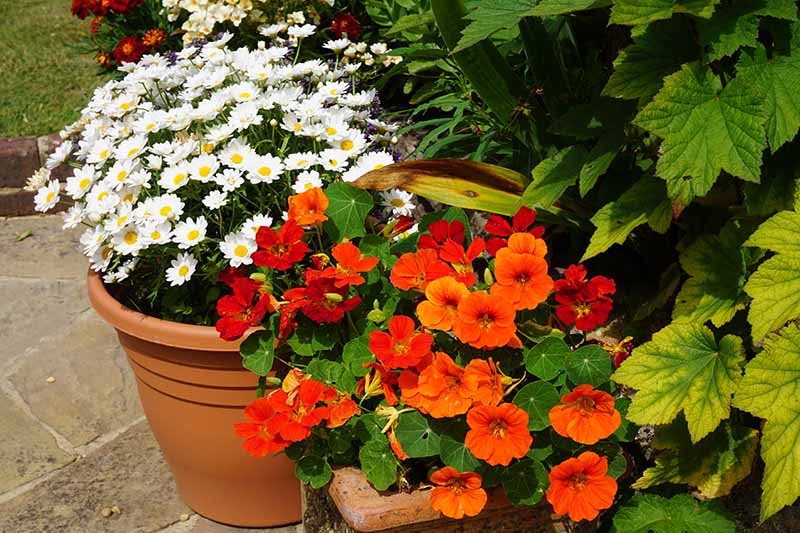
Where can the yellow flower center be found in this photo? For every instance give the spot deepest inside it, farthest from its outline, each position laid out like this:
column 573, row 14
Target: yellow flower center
column 298, row 126
column 244, row 95
column 178, row 179
column 125, row 106
column 331, row 131
column 50, row 196
column 132, row 152
column 165, row 211
column 308, row 186
column 183, row 270
column 192, row 235
column 128, row 197
column 155, row 235
column 302, row 163
column 347, row 144
column 264, row 171
column 122, row 175
column 84, row 183
column 150, row 127
column 237, row 158
column 208, row 148
column 378, row 166
column 205, row 171
column 131, row 237
column 106, row 253
column 122, row 220
column 104, row 154
column 397, row 202
column 240, row 251
column 102, row 196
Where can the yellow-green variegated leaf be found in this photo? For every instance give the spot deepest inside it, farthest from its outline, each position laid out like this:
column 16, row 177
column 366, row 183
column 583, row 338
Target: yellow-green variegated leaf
column 683, row 369
column 771, row 389
column 456, row 182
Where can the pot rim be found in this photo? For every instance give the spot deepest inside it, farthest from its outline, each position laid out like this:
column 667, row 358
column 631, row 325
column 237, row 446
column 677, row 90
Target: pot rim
column 149, row 328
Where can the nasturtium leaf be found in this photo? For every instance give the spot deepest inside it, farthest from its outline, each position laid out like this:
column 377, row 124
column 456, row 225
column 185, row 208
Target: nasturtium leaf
column 489, row 17
column 355, row 353
column 775, row 289
column 537, row 399
column 546, row 359
column 683, row 368
column 776, row 77
column 525, row 482
column 634, row 12
column 347, row 209
column 455, row 453
column 780, row 233
column 640, row 69
column 771, row 389
column 378, row 463
column 616, row 220
column 589, row 364
column 617, row 463
column 732, row 26
column 307, row 342
column 553, row 176
column 706, row 128
column 648, row 513
column 416, row 436
column 258, row 352
column 713, row 465
column 715, row 290
column 332, row 373
column 599, row 159
column 313, row 470
column 368, row 427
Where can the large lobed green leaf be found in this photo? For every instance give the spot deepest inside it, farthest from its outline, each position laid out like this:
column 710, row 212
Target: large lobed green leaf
column 706, row 128
column 683, row 368
column 553, row 176
column 633, row 12
column 646, row 513
column 771, row 389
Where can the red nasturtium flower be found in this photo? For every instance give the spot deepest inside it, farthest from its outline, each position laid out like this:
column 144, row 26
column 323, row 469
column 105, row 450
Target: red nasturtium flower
column 129, row 50
column 583, row 302
column 350, row 264
column 580, row 487
column 619, row 351
column 439, row 390
column 296, row 416
column 457, row 494
column 498, row 434
column 262, row 430
column 487, row 381
column 280, row 250
column 439, row 232
column 461, row 260
column 238, row 312
column 585, row 415
column 380, row 380
column 441, row 307
column 345, row 24
column 403, row 346
column 308, row 208
column 484, row 320
column 416, row 270
column 521, row 223
column 521, row 279
column 320, row 300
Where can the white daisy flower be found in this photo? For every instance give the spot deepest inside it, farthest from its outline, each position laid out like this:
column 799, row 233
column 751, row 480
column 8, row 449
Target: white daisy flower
column 156, row 233
column 244, row 92
column 215, row 199
column 398, row 202
column 174, row 177
column 351, row 141
column 333, row 159
column 375, row 160
column 117, row 174
column 101, row 199
column 59, row 155
column 272, row 30
column 301, row 32
column 236, row 154
column 306, row 180
column 238, row 249
column 166, row 207
column 337, row 45
column 300, row 161
column 182, row 269
column 292, row 123
column 130, row 148
column 72, row 217
column 119, row 219
column 128, row 241
column 190, row 232
column 80, row 182
column 203, row 167
column 101, row 258
column 230, row 179
column 47, row 197
column 251, row 225
column 38, row 180
column 333, row 89
column 100, row 152
column 264, row 169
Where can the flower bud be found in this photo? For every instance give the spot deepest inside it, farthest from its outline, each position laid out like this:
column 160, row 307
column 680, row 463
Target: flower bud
column 487, row 277
column 333, row 297
column 273, row 122
column 258, row 276
column 272, row 380
column 376, row 315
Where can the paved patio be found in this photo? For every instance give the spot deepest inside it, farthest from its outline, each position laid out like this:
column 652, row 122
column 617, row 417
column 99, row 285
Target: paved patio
column 76, row 454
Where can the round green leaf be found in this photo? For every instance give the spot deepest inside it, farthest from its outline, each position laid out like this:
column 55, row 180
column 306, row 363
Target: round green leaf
column 525, row 482
column 456, row 454
column 313, row 470
column 416, row 436
column 355, row 353
column 537, row 399
column 258, row 352
column 546, row 359
column 590, row 364
column 378, row 463
column 347, row 209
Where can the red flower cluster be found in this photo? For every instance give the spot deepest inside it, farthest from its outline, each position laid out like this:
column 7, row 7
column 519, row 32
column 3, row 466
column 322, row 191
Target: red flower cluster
column 100, row 8
column 345, row 24
column 585, row 303
column 288, row 414
column 521, row 223
column 282, row 249
column 129, row 50
column 245, row 307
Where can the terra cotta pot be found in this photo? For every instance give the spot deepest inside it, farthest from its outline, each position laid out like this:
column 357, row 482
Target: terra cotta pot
column 365, row 509
column 193, row 388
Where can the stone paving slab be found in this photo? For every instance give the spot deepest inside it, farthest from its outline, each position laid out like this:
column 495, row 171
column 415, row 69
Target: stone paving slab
column 94, row 391
column 48, row 253
column 129, row 473
column 27, row 450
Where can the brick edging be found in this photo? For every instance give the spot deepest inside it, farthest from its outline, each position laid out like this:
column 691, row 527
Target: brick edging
column 20, row 157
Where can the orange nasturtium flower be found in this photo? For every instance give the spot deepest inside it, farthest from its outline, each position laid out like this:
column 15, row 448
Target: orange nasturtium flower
column 580, row 487
column 439, row 390
column 457, row 494
column 350, row 264
column 484, row 320
column 308, row 208
column 416, row 270
column 498, row 434
column 521, row 278
column 487, row 380
column 403, row 346
column 525, row 243
column 585, row 415
column 342, row 409
column 263, row 430
column 441, row 306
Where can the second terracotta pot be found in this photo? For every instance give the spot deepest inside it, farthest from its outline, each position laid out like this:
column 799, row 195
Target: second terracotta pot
column 193, row 389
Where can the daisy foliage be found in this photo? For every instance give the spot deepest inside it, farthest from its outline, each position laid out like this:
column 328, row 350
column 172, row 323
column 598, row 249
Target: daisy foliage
column 178, row 164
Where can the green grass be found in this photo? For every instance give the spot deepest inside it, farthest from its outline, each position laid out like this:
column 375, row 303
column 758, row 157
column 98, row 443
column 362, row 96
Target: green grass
column 44, row 80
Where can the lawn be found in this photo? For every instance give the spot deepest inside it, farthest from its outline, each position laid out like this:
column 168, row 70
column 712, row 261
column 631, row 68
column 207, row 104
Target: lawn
column 44, row 79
